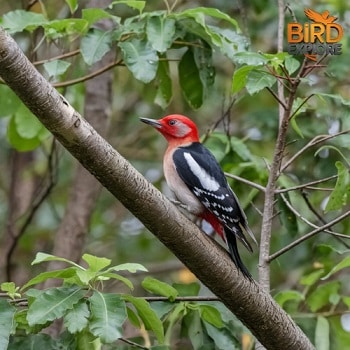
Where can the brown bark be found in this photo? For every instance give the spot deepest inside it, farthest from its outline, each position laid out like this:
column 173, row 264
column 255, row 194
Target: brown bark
column 248, row 301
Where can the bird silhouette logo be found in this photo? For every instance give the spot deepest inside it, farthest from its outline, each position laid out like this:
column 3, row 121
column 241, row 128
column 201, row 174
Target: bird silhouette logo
column 317, row 17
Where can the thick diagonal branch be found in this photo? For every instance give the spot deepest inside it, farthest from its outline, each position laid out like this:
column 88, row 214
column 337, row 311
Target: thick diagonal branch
column 250, row 303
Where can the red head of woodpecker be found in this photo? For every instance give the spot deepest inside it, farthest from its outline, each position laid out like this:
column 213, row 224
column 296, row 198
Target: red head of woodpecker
column 196, row 179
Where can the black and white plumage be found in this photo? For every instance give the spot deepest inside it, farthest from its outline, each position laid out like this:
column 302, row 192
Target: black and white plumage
column 199, row 170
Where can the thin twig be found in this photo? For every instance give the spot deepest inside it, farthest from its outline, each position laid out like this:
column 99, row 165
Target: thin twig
column 245, row 181
column 59, row 57
column 307, row 185
column 298, row 215
column 307, row 236
column 127, row 341
column 316, row 140
column 88, row 76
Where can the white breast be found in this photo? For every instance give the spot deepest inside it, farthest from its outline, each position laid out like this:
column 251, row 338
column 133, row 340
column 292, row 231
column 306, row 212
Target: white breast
column 179, row 188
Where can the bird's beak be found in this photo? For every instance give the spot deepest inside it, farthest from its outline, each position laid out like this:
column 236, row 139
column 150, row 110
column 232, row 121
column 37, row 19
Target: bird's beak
column 153, row 122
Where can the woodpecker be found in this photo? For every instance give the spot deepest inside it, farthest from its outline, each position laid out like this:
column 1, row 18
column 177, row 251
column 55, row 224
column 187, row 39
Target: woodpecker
column 197, row 181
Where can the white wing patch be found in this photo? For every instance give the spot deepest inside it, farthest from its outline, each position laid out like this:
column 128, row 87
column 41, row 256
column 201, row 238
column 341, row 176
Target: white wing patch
column 207, row 181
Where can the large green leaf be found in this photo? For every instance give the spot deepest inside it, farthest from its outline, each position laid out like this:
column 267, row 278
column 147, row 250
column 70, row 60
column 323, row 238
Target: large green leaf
column 190, row 80
column 108, row 313
column 160, row 32
column 42, row 277
column 258, row 80
column 321, row 295
column 53, row 303
column 148, row 316
column 345, row 263
column 211, row 315
column 17, row 141
column 341, row 192
column 7, row 313
column 44, row 257
column 76, row 319
column 164, row 85
column 239, row 79
column 56, row 67
column 288, row 295
column 159, row 288
column 95, row 45
column 9, row 101
column 322, row 334
column 18, row 20
column 62, row 27
column 203, row 58
column 141, row 59
column 134, row 4
column 93, row 15
column 96, row 263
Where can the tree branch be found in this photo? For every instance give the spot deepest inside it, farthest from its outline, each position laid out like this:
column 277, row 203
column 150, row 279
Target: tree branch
column 251, row 304
column 309, row 235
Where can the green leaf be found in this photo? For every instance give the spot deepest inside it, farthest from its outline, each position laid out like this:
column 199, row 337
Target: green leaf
column 95, row 45
column 160, row 32
column 258, row 80
column 190, row 80
column 340, row 266
column 130, row 267
column 56, row 67
column 43, row 257
column 76, row 319
column 251, row 59
column 148, row 316
column 19, row 20
column 11, row 289
column 341, row 192
column 164, row 84
column 194, row 329
column 141, row 59
column 95, row 263
column 288, row 295
column 17, row 141
column 311, row 278
column 224, row 338
column 137, row 5
column 322, row 334
column 93, row 15
column 27, row 125
column 211, row 315
column 7, row 314
column 42, row 277
column 203, row 58
column 9, row 101
column 187, row 289
column 62, row 27
column 133, row 318
column 52, row 304
column 108, row 313
column 108, row 275
column 157, row 287
column 199, row 14
column 291, row 64
column 73, row 5
column 239, row 79
column 320, row 297
column 241, row 148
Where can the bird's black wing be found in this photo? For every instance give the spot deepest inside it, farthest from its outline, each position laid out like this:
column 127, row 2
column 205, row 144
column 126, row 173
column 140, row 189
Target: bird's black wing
column 200, row 171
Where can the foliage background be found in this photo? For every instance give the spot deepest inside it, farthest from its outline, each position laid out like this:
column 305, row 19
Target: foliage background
column 253, row 118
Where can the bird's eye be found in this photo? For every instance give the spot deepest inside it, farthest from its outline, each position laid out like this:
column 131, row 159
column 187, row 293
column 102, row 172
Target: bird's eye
column 172, row 122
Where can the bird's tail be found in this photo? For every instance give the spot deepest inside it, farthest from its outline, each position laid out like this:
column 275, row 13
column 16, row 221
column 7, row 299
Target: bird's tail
column 232, row 246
